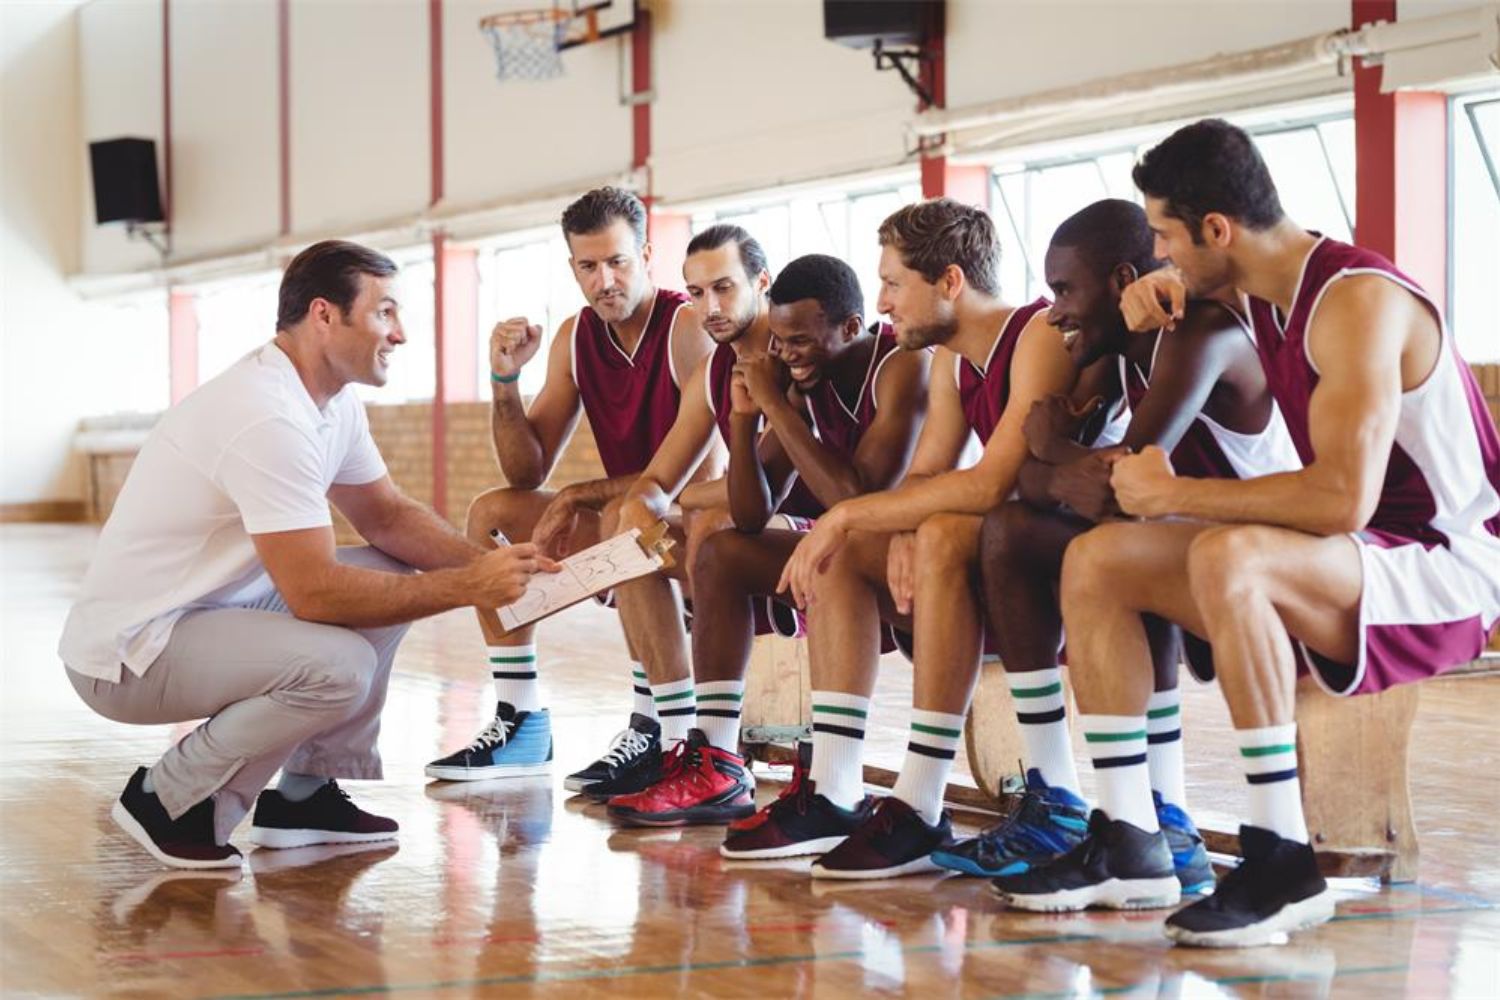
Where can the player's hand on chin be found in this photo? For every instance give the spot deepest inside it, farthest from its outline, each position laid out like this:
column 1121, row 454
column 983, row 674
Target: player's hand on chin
column 1143, row 483
column 811, row 557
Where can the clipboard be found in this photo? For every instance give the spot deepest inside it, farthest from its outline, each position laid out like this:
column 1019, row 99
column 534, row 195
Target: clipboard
column 625, row 557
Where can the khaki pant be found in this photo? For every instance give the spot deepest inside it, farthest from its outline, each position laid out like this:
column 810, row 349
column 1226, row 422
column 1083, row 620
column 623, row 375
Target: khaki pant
column 277, row 692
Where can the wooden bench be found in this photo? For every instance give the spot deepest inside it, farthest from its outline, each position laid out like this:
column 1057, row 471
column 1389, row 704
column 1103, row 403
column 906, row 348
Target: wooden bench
column 1352, row 756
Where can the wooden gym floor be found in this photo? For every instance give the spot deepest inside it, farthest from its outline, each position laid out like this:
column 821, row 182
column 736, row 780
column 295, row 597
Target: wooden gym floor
column 514, row 888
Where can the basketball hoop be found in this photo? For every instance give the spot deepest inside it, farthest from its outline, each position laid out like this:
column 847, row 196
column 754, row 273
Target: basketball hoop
column 528, row 44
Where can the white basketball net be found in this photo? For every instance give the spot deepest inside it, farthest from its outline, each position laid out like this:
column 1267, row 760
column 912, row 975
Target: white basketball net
column 527, row 49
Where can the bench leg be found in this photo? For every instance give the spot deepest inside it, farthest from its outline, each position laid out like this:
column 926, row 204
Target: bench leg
column 1352, row 756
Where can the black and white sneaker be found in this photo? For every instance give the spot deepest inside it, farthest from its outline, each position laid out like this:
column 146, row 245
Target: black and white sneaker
column 327, row 816
column 1275, row 890
column 517, row 743
column 1118, row 866
column 632, row 762
column 186, row 842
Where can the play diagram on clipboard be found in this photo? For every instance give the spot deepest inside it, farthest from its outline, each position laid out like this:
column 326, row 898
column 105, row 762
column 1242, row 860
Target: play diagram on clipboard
column 591, row 571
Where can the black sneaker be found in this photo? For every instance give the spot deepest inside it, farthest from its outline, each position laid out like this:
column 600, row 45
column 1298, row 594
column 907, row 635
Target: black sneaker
column 186, row 842
column 1117, row 865
column 798, row 822
column 1275, row 890
column 632, row 762
column 327, row 816
column 893, row 840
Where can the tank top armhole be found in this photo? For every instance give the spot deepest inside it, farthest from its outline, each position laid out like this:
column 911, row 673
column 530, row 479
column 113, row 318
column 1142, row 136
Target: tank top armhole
column 573, row 349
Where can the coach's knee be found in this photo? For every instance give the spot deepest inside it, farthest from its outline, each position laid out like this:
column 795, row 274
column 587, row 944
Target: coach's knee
column 945, row 544
column 332, row 672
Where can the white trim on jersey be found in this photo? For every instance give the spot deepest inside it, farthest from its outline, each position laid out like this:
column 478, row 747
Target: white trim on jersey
column 671, row 336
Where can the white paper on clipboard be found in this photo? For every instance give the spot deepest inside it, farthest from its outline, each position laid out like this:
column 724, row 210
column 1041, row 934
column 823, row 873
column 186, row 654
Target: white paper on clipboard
column 597, row 568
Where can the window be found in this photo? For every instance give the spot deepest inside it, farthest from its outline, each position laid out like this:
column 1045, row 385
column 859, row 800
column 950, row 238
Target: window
column 838, row 221
column 125, row 341
column 1474, row 214
column 234, row 318
column 1312, row 163
column 527, row 275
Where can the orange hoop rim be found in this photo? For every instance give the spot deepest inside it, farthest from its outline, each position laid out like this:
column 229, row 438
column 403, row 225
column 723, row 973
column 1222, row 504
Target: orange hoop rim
column 519, row 18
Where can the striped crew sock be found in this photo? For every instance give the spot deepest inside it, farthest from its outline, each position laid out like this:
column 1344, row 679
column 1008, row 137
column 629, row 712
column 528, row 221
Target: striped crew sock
column 838, row 746
column 719, row 712
column 1117, row 745
column 1164, row 746
column 929, row 758
column 676, row 709
column 513, row 669
column 641, row 701
column 1269, row 756
column 1043, row 718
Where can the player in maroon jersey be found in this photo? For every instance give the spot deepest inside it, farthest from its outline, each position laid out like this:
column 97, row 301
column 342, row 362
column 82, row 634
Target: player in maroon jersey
column 617, row 362
column 910, row 554
column 1377, row 563
column 844, row 425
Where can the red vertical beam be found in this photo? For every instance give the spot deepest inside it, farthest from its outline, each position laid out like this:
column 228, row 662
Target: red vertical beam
column 182, row 343
column 933, row 76
column 439, row 263
column 1401, row 168
column 460, row 271
column 284, row 109
column 640, row 85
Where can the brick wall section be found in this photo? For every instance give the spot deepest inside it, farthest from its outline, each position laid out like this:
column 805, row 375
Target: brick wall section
column 404, row 435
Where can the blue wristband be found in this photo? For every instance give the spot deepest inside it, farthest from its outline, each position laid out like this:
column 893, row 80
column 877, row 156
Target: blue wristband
column 504, row 379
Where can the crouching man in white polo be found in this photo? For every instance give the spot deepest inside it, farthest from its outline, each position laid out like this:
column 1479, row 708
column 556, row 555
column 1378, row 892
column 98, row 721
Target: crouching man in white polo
column 217, row 591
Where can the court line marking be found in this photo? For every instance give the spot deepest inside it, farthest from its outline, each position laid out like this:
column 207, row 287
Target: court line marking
column 577, row 975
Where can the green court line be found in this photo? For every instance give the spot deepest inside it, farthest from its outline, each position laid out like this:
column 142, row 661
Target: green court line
column 579, row 975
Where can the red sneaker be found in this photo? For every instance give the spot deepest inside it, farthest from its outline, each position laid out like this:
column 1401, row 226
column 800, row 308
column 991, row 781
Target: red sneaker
column 799, row 822
column 700, row 784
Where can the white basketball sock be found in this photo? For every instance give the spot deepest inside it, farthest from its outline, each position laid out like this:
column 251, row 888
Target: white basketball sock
column 1164, row 746
column 838, row 746
column 513, row 669
column 1269, row 757
column 1042, row 716
column 675, row 708
column 1117, row 745
column 719, row 712
column 929, row 758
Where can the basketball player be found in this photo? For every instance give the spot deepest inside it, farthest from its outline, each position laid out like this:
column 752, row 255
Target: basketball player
column 1199, row 393
column 1376, row 564
column 846, row 425
column 911, row 554
column 618, row 362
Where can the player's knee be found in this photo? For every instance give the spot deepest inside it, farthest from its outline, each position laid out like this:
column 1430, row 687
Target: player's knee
column 1091, row 566
column 1002, row 531
column 718, row 554
column 490, row 510
column 944, row 542
column 1223, row 563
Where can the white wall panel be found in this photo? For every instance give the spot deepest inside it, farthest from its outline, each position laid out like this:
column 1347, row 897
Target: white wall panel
column 225, row 160
column 360, row 98
column 119, row 94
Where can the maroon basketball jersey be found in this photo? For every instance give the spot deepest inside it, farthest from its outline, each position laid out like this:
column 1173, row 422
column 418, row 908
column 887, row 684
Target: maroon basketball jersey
column 984, row 392
column 1198, row 453
column 1443, row 476
column 836, row 424
column 800, row 500
column 631, row 399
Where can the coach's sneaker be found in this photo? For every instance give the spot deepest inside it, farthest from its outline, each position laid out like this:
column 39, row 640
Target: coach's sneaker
column 1275, row 890
column 632, row 761
column 892, row 841
column 700, row 784
column 1118, row 865
column 515, row 743
column 798, row 822
column 184, row 842
column 1047, row 822
column 327, row 816
column 1189, row 857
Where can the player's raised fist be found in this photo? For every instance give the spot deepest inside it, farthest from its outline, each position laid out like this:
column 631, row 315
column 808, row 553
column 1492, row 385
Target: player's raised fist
column 513, row 343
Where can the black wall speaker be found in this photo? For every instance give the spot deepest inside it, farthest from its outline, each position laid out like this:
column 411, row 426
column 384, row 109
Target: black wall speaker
column 125, row 186
column 858, row 23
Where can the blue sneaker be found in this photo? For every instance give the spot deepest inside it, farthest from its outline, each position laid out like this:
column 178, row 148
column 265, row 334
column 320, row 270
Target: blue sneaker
column 514, row 744
column 1048, row 822
column 1189, row 857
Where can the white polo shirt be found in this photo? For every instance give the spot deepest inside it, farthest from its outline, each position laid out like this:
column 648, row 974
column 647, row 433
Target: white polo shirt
column 247, row 453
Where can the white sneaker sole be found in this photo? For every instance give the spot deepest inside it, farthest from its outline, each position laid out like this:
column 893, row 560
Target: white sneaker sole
column 573, row 784
column 1114, row 894
column 807, row 847
column 1274, row 929
column 137, row 833
column 919, row 866
column 278, row 839
column 485, row 773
